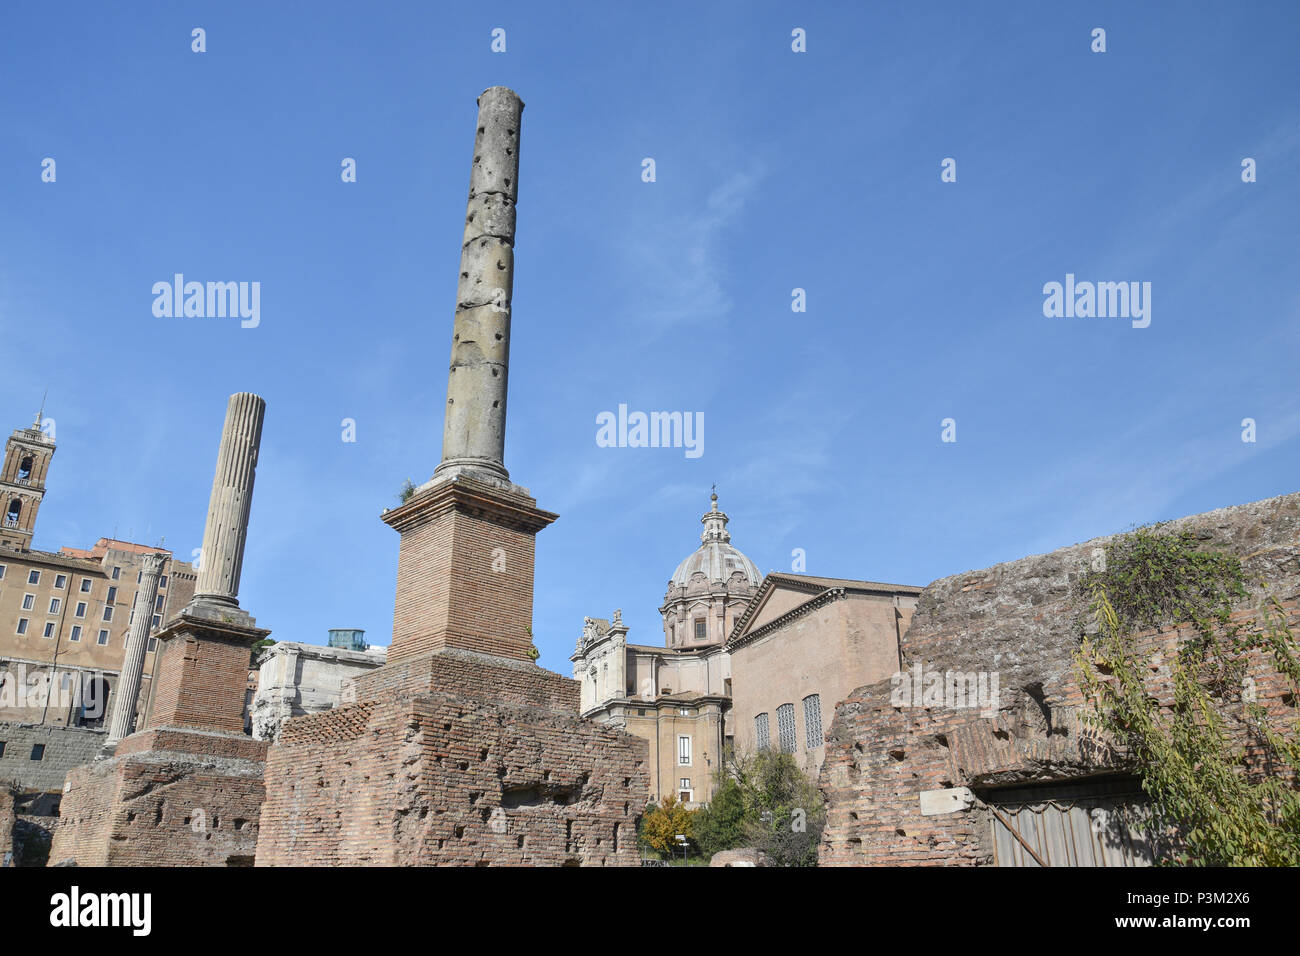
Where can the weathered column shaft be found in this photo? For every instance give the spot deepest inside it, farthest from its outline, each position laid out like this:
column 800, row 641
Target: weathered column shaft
column 122, row 721
column 222, row 557
column 474, row 430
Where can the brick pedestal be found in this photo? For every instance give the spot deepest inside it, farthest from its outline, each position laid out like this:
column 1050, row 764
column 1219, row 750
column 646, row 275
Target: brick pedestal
column 460, row 750
column 188, row 789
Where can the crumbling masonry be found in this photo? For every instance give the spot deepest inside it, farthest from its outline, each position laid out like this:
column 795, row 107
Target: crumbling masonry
column 917, row 785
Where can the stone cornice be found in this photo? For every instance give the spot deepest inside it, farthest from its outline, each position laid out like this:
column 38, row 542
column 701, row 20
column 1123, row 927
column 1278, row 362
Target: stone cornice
column 470, row 497
column 822, row 599
column 232, row 630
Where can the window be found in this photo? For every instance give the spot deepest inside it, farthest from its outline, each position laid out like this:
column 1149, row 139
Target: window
column 85, row 585
column 38, row 751
column 25, row 469
column 139, row 576
column 117, row 573
column 684, row 792
column 81, row 609
column 761, row 740
column 28, row 601
column 22, row 626
column 34, row 577
column 76, row 633
column 60, row 581
column 55, row 604
column 103, row 637
column 49, row 629
column 785, row 727
column 108, row 612
column 155, row 621
column 684, row 783
column 683, row 750
column 2, row 572
column 812, row 721
column 2, row 748
column 11, row 516
column 112, row 596
column 701, row 629
column 153, row 644
column 683, row 712
column 158, row 605
column 162, row 582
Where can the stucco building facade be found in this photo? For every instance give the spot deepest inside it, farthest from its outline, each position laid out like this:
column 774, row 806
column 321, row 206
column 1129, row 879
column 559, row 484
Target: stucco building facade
column 748, row 662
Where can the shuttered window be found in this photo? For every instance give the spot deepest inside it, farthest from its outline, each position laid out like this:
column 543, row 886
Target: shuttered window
column 785, row 727
column 812, row 721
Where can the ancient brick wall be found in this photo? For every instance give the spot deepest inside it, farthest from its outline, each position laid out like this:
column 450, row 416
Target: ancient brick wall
column 194, row 682
column 481, row 567
column 446, row 779
column 65, row 748
column 1018, row 620
column 505, row 681
column 7, row 820
column 162, row 808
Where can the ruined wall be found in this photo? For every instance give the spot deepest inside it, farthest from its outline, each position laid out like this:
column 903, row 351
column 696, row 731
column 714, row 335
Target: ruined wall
column 65, row 748
column 163, row 801
column 487, row 677
column 447, row 779
column 7, row 820
column 1017, row 620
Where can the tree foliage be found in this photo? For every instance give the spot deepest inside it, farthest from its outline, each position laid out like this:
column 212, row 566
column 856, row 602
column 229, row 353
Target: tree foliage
column 1221, row 772
column 764, row 801
column 661, row 824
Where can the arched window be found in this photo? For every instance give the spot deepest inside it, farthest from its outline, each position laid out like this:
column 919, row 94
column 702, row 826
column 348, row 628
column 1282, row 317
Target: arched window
column 25, row 468
column 11, row 516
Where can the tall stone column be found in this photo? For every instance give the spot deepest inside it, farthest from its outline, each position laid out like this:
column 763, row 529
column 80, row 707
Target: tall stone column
column 122, row 721
column 226, row 530
column 465, row 569
column 203, row 652
column 474, row 430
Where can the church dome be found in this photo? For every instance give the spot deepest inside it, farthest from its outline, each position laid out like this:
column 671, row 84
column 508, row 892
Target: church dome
column 715, row 558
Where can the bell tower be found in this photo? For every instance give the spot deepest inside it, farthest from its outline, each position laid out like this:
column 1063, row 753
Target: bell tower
column 22, row 484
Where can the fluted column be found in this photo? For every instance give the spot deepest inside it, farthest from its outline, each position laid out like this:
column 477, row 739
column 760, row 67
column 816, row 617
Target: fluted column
column 122, row 721
column 474, row 429
column 222, row 557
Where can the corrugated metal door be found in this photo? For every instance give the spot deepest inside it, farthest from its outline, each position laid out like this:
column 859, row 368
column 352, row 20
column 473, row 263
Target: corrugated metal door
column 1099, row 824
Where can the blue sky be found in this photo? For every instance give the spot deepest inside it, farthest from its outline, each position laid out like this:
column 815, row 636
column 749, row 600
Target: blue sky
column 775, row 170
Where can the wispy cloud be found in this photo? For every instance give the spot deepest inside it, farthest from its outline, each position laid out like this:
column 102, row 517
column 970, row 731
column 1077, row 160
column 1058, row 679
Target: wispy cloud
column 678, row 268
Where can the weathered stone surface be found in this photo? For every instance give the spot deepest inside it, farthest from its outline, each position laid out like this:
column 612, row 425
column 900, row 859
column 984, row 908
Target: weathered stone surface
column 8, row 818
column 474, row 428
column 748, row 856
column 65, row 748
column 161, row 808
column 1019, row 620
column 232, row 498
column 296, row 679
column 122, row 720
